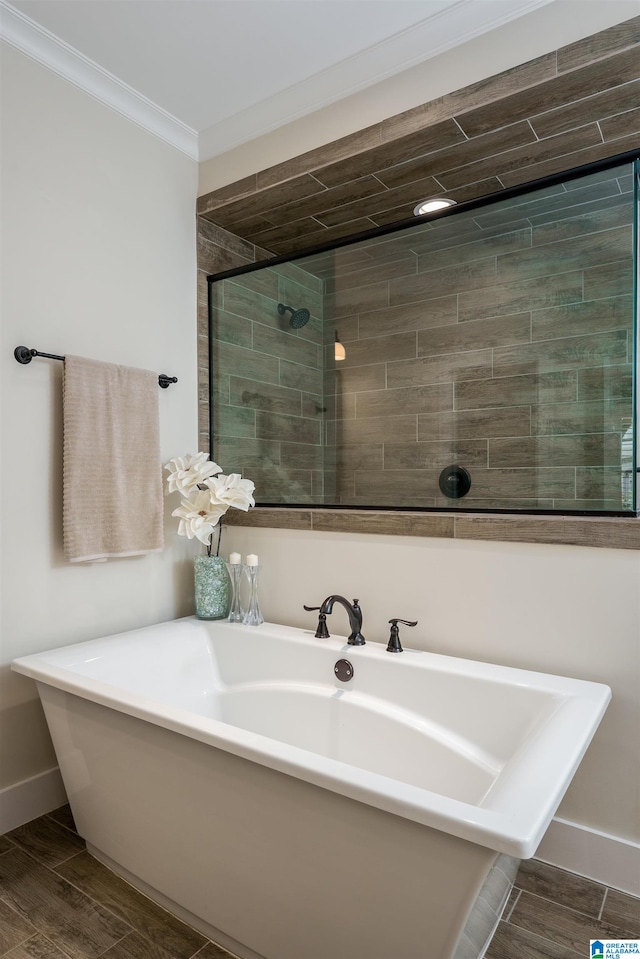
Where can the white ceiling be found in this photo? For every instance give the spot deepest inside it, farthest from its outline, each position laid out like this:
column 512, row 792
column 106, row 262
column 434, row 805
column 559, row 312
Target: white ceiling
column 227, row 70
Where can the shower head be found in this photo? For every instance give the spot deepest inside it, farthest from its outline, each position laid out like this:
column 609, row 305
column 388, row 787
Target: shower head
column 298, row 318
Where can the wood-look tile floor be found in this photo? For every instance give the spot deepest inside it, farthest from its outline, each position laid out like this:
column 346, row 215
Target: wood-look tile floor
column 58, row 902
column 552, row 914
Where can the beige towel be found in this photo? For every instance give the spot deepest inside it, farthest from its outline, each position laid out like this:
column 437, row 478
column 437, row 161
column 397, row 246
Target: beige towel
column 112, row 471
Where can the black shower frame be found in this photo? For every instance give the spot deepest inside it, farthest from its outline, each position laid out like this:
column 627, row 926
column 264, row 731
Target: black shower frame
column 629, row 156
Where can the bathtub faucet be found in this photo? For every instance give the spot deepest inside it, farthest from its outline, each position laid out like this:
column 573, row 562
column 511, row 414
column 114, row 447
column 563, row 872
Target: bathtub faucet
column 353, row 612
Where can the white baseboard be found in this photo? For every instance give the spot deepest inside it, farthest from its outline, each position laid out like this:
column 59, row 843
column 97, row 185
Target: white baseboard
column 31, row 798
column 607, row 859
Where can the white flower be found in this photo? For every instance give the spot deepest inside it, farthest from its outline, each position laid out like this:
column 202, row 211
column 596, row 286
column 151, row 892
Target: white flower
column 188, row 472
column 232, row 490
column 198, row 515
column 207, row 496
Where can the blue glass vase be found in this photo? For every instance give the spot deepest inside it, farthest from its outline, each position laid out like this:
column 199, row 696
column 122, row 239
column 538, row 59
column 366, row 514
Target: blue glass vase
column 212, row 587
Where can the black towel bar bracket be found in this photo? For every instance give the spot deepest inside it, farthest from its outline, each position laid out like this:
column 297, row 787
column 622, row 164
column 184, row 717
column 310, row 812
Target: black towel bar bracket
column 24, row 355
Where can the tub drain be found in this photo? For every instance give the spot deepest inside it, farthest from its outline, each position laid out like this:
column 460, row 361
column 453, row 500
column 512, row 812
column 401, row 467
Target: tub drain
column 343, row 670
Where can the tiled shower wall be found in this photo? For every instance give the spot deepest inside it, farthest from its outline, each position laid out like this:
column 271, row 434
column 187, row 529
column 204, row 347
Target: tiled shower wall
column 268, row 403
column 500, row 342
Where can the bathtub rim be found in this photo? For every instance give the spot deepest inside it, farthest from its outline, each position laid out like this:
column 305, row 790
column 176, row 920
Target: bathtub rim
column 514, row 827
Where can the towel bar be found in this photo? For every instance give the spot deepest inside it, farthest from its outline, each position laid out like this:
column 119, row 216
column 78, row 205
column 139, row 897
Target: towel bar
column 24, row 355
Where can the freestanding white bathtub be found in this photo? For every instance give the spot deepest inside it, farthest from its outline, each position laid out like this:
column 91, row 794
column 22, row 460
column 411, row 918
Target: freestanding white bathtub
column 227, row 772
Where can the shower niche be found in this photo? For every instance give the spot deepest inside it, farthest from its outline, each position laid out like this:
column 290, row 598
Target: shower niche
column 477, row 359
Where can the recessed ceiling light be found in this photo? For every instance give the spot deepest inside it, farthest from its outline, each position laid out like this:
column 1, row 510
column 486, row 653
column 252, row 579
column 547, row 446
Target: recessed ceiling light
column 430, row 206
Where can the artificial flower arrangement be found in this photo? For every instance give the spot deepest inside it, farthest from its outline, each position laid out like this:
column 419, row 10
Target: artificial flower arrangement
column 207, row 495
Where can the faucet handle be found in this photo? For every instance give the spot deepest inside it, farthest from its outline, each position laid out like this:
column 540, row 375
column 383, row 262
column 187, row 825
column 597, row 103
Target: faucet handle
column 394, row 645
column 322, row 631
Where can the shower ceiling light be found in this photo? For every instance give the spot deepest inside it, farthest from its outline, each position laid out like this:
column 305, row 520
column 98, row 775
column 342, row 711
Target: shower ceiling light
column 430, row 206
column 339, row 351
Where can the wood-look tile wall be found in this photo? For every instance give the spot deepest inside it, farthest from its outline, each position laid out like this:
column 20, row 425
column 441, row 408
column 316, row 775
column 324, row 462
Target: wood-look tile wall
column 217, row 250
column 566, row 108
column 267, row 383
column 507, row 353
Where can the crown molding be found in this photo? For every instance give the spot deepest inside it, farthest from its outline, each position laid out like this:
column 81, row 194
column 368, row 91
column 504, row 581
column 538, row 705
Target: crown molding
column 451, row 27
column 34, row 41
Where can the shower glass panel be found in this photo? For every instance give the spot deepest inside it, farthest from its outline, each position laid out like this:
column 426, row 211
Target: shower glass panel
column 489, row 359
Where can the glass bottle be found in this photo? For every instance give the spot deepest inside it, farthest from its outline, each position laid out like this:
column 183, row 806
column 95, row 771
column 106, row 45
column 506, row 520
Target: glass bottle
column 236, row 612
column 253, row 615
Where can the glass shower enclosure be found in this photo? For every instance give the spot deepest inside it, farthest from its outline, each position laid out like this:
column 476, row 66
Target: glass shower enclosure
column 479, row 359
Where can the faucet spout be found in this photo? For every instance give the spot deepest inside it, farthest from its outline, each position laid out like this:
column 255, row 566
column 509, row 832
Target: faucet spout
column 353, row 612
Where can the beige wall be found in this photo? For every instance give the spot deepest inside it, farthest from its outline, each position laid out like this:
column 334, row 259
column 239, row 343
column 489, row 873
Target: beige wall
column 98, row 258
